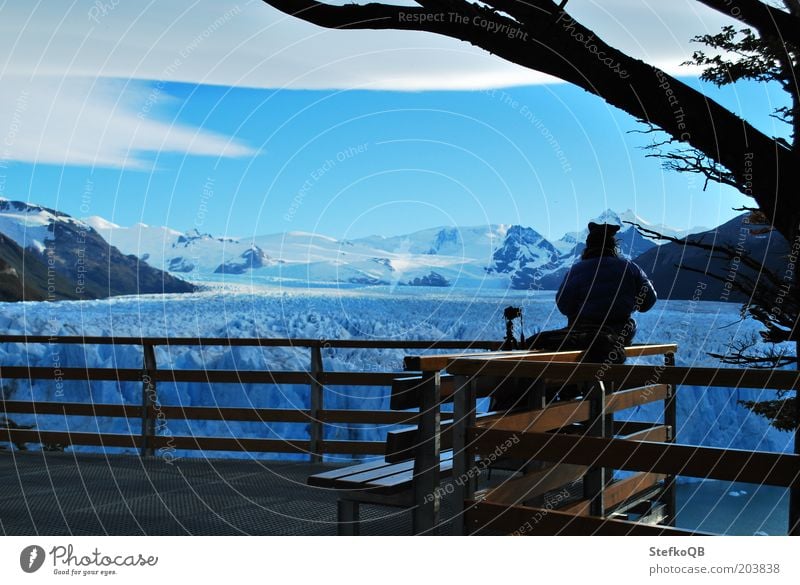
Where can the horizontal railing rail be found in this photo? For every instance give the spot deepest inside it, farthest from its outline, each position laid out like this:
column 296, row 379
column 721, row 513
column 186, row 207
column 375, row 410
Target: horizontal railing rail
column 630, row 374
column 433, row 363
column 150, row 410
column 255, row 342
column 758, row 467
column 238, row 414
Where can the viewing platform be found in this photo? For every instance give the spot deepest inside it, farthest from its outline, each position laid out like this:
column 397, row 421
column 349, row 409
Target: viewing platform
column 49, row 493
column 542, row 460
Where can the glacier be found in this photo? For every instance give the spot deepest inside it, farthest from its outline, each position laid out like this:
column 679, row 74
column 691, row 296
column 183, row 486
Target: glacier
column 246, row 308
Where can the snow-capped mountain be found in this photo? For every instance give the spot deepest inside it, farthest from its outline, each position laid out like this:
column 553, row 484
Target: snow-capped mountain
column 30, row 226
column 61, row 257
column 189, row 252
column 495, row 256
column 525, row 256
column 478, row 242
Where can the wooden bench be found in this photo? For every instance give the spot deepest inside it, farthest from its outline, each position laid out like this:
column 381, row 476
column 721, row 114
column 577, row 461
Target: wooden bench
column 375, row 482
column 390, row 481
column 407, row 477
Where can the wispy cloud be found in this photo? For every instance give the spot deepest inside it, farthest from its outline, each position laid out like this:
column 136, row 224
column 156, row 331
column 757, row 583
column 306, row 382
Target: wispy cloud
column 96, row 122
column 248, row 43
column 62, row 102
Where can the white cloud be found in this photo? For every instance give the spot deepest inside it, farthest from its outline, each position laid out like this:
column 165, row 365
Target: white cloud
column 94, row 122
column 249, row 43
column 65, row 59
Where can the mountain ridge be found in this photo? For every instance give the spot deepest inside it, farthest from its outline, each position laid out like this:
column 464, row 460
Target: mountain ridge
column 496, row 256
column 49, row 255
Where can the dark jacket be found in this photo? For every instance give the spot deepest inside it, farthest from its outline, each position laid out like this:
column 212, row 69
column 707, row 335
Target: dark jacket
column 604, row 290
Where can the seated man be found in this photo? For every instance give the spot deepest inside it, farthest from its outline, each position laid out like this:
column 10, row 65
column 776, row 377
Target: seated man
column 601, row 291
column 598, row 295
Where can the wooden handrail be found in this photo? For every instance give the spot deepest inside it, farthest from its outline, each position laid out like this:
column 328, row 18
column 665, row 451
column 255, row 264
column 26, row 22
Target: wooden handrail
column 149, row 376
column 759, row 467
column 189, row 442
column 561, row 414
column 216, row 376
column 629, row 374
column 255, row 342
column 232, row 414
column 443, row 361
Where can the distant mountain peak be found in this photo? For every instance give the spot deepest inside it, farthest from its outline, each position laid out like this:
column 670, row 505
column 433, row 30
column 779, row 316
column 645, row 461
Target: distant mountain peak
column 84, row 264
column 608, row 216
column 446, row 238
column 99, row 223
column 523, row 250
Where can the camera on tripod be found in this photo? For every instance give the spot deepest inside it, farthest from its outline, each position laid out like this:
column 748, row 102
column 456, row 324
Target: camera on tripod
column 511, row 314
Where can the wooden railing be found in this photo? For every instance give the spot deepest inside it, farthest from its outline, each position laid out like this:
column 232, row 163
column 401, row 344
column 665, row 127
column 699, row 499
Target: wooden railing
column 482, row 378
column 653, row 456
column 146, row 414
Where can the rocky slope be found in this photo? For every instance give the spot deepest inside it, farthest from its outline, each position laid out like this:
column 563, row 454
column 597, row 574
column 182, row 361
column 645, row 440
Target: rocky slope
column 47, row 254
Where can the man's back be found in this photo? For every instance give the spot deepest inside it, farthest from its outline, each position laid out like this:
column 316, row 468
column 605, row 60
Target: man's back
column 604, row 289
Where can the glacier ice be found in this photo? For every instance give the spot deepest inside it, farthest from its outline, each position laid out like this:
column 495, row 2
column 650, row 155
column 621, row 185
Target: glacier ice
column 706, row 416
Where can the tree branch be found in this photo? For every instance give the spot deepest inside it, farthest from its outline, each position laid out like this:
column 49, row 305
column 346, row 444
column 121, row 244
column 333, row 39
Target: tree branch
column 353, row 16
column 767, row 20
column 564, row 48
column 522, row 10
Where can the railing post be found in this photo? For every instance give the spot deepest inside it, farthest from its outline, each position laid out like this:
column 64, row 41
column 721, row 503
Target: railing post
column 794, row 492
column 671, row 420
column 149, row 398
column 594, row 482
column 426, row 460
column 316, row 404
column 537, row 400
column 463, row 460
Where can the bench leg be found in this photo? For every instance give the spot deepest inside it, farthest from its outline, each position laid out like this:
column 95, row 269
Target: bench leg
column 425, row 519
column 347, row 518
column 463, row 460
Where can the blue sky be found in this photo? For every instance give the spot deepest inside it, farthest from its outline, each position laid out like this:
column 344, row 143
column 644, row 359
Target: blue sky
column 205, row 152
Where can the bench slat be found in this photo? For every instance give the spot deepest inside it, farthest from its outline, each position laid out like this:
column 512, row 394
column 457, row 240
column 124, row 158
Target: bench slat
column 327, row 478
column 367, row 477
column 401, row 481
column 371, row 478
column 376, row 477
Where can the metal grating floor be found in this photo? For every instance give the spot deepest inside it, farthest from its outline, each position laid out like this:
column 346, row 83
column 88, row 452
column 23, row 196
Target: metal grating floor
column 51, row 493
